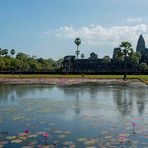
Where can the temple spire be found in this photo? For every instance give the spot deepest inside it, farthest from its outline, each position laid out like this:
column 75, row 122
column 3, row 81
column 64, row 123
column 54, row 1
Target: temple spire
column 141, row 45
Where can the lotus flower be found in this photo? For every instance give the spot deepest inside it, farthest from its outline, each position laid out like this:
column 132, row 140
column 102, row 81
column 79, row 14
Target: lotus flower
column 134, row 124
column 121, row 138
column 26, row 131
column 46, row 135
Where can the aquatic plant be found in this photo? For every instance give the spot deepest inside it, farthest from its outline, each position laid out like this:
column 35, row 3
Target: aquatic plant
column 122, row 139
column 26, row 131
column 46, row 136
column 134, row 125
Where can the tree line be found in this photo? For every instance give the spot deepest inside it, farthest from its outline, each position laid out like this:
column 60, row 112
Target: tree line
column 21, row 62
column 125, row 55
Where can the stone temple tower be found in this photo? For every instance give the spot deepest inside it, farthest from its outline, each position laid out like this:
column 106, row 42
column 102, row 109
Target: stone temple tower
column 141, row 45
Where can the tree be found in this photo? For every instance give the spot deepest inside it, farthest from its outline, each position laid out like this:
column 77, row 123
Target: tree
column 82, row 56
column 138, row 54
column 5, row 52
column 0, row 51
column 34, row 66
column 22, row 56
column 77, row 42
column 58, row 63
column 93, row 56
column 119, row 58
column 143, row 67
column 135, row 58
column 106, row 60
column 125, row 51
column 2, row 64
column 7, row 62
column 12, row 51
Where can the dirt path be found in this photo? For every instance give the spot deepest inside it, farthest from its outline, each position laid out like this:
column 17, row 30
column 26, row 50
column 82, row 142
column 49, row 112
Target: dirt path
column 69, row 81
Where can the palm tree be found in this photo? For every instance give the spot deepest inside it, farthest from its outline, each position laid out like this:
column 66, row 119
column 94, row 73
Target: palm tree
column 77, row 53
column 125, row 50
column 12, row 52
column 0, row 51
column 106, row 60
column 118, row 57
column 5, row 52
column 82, row 56
column 77, row 42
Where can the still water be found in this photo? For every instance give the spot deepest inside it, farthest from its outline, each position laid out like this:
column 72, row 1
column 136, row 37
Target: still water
column 87, row 115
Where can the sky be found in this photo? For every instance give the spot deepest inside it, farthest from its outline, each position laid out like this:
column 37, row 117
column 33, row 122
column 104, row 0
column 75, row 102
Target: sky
column 48, row 28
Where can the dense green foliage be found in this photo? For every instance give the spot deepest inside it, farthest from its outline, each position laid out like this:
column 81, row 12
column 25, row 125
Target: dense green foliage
column 93, row 56
column 130, row 58
column 25, row 63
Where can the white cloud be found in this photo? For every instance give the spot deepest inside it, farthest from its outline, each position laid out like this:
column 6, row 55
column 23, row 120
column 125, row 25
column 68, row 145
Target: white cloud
column 99, row 35
column 133, row 20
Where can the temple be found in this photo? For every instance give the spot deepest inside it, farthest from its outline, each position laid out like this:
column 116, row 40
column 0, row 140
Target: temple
column 142, row 49
column 93, row 64
column 141, row 45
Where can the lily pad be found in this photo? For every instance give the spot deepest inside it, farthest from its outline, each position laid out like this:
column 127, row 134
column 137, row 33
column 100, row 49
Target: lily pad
column 11, row 137
column 32, row 143
column 91, row 142
column 66, row 132
column 82, row 139
column 3, row 142
column 18, row 118
column 32, row 136
column 23, row 134
column 23, row 138
column 58, row 132
column 41, row 133
column 67, row 143
column 62, row 136
column 17, row 141
column 28, row 146
column 146, row 136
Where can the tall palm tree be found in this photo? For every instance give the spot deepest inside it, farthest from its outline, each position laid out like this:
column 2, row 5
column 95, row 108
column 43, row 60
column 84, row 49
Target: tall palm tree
column 0, row 51
column 82, row 56
column 106, row 60
column 12, row 51
column 5, row 52
column 77, row 42
column 125, row 50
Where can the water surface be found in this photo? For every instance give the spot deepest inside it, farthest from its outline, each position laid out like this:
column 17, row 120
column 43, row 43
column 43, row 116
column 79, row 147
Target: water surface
column 74, row 116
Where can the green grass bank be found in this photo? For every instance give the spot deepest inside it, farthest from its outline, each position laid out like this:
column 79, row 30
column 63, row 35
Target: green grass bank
column 143, row 78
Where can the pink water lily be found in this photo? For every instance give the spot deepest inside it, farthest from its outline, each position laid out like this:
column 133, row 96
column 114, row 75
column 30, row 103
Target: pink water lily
column 26, row 131
column 121, row 138
column 133, row 124
column 46, row 135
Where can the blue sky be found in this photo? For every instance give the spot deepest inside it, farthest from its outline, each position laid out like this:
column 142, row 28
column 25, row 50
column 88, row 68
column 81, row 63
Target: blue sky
column 47, row 28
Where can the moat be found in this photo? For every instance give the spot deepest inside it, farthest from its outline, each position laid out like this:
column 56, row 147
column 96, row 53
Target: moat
column 86, row 115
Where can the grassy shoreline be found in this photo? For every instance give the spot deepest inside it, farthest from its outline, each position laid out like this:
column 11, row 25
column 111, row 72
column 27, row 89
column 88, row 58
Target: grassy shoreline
column 143, row 78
